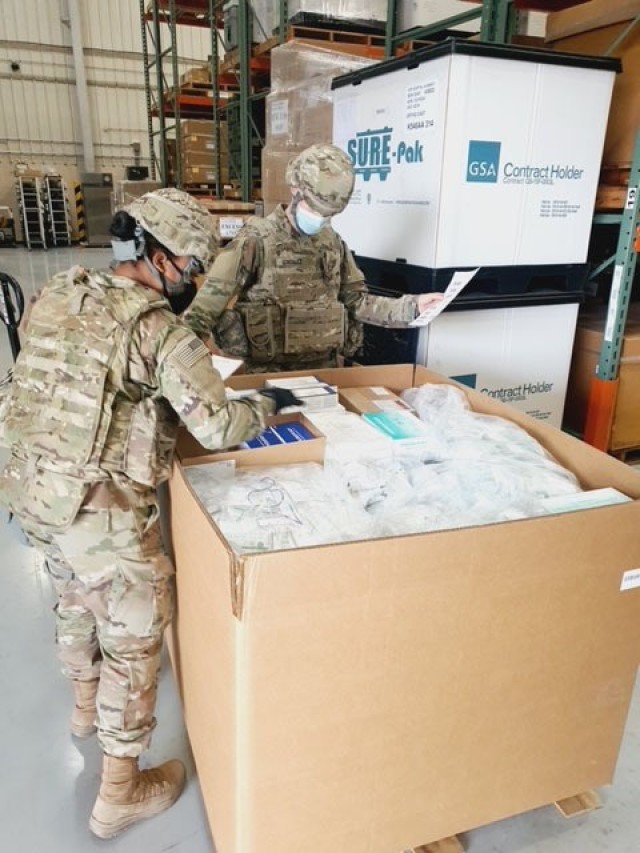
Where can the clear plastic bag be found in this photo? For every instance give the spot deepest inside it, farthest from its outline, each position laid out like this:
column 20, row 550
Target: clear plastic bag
column 276, row 508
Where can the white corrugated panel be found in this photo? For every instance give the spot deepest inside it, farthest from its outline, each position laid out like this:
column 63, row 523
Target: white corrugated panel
column 38, row 107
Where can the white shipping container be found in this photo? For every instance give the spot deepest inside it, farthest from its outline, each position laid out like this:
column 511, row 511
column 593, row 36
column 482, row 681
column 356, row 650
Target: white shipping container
column 468, row 154
column 520, row 356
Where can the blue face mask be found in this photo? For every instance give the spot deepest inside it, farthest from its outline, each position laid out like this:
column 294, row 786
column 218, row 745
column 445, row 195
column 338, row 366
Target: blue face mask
column 309, row 223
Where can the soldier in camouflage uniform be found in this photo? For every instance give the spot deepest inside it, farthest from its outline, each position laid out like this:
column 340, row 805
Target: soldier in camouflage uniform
column 286, row 294
column 106, row 374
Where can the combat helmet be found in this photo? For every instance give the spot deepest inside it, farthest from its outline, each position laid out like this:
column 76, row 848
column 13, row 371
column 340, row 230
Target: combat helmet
column 324, row 175
column 178, row 222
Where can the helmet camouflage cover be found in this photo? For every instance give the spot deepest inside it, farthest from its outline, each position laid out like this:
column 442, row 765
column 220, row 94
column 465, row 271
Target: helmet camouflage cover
column 178, row 222
column 325, row 177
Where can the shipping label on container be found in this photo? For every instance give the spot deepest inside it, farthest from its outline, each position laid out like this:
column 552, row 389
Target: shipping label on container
column 630, row 580
column 279, row 118
column 230, row 226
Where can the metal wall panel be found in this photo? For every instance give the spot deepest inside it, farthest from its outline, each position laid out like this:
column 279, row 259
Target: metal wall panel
column 38, row 106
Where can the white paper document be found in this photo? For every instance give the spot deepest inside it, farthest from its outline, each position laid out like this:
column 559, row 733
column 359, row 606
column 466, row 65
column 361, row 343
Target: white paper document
column 225, row 366
column 459, row 280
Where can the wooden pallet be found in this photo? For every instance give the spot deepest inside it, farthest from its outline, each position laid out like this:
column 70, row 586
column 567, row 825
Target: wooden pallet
column 578, row 805
column 616, row 174
column 259, row 65
column 610, row 198
column 367, row 45
column 613, row 187
column 201, row 188
column 196, row 77
column 570, row 807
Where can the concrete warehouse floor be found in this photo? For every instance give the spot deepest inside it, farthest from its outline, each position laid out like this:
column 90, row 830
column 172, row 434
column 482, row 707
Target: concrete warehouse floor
column 49, row 779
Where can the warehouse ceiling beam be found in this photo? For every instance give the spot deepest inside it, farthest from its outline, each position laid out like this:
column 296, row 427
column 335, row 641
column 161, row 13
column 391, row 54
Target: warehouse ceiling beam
column 82, row 90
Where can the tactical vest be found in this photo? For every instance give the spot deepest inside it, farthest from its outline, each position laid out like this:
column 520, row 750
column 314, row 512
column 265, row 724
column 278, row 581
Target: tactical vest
column 73, row 414
column 293, row 310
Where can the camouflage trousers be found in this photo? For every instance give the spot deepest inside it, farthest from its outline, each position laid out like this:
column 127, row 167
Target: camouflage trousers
column 115, row 588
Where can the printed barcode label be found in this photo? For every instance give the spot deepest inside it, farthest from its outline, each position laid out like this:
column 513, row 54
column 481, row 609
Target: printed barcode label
column 630, row 580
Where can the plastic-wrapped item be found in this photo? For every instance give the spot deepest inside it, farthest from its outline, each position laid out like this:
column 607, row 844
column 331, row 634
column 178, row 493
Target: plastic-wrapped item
column 421, row 13
column 472, row 435
column 348, row 10
column 275, row 189
column 266, row 12
column 300, row 116
column 478, row 469
column 300, row 105
column 299, row 109
column 488, row 470
column 294, row 62
column 271, row 509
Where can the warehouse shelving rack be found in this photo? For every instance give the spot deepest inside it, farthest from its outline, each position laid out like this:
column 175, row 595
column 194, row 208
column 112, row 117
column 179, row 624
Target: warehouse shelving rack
column 29, row 193
column 56, row 208
column 604, row 385
column 159, row 21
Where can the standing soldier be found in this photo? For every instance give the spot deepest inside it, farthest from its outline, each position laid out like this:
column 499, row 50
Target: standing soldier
column 106, row 373
column 298, row 299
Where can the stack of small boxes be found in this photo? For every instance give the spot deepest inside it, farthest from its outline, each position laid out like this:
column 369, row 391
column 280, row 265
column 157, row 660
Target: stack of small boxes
column 198, row 154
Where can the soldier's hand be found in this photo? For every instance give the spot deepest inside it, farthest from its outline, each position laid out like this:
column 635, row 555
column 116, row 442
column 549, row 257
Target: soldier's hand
column 428, row 300
column 282, row 397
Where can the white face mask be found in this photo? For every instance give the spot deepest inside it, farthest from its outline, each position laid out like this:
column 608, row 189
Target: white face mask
column 308, row 222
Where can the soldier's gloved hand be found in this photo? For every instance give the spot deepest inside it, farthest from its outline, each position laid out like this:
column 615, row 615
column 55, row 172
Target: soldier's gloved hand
column 282, row 397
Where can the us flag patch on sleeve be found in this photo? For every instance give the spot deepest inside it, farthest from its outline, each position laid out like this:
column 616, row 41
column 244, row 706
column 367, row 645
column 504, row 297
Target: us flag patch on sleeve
column 189, row 352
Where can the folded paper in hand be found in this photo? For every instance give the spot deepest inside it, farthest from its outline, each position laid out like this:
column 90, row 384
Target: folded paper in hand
column 459, row 281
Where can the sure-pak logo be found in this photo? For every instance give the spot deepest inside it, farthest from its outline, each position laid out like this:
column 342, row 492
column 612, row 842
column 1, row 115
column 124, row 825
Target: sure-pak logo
column 373, row 152
column 483, row 162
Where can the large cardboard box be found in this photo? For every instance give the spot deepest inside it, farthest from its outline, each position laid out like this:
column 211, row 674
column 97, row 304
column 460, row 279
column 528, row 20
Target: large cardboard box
column 373, row 696
column 470, row 154
column 592, row 28
column 203, row 159
column 197, row 127
column 625, row 431
column 203, row 174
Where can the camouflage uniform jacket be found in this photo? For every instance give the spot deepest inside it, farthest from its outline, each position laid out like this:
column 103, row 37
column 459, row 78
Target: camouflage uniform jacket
column 271, row 264
column 106, row 374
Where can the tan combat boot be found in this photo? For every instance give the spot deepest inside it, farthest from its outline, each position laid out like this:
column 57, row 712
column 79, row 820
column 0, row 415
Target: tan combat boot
column 83, row 718
column 128, row 794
